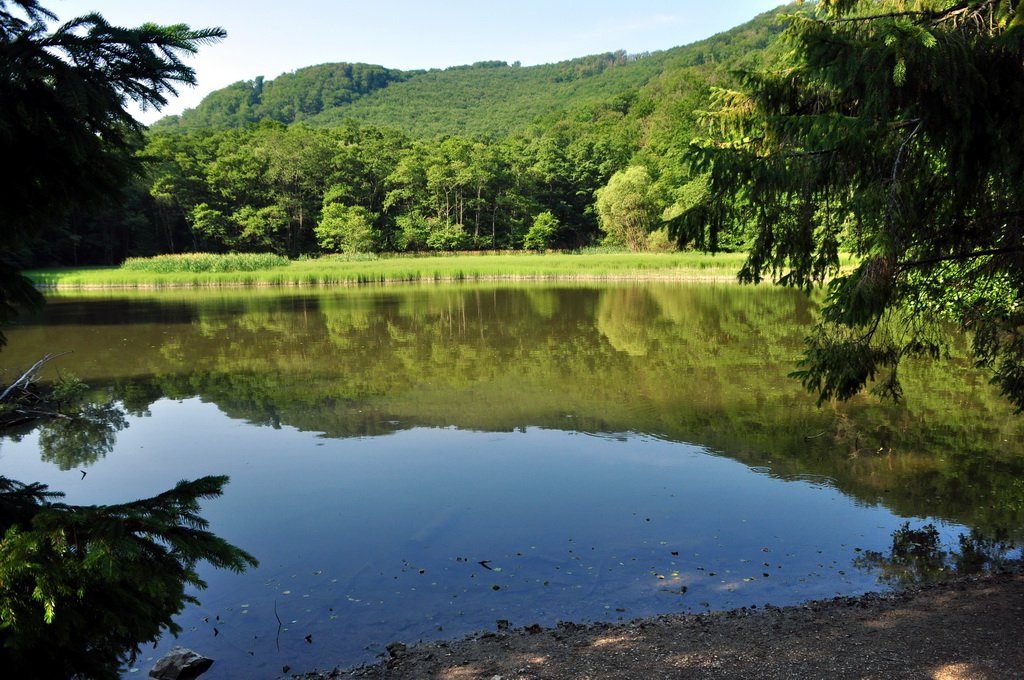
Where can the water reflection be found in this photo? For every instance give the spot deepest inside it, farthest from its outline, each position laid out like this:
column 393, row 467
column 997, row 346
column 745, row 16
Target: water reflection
column 423, row 461
column 82, row 439
column 704, row 364
column 918, row 556
column 75, row 426
column 441, row 532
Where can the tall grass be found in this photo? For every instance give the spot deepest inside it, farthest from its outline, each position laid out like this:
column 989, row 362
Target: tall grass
column 204, row 262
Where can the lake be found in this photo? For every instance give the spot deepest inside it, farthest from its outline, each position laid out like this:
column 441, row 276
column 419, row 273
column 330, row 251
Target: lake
column 416, row 462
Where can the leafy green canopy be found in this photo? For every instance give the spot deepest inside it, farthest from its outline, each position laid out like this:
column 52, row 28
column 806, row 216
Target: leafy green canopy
column 288, row 98
column 891, row 128
column 64, row 125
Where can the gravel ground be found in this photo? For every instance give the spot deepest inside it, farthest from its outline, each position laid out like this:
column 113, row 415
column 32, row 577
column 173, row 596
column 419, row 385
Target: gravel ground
column 969, row 628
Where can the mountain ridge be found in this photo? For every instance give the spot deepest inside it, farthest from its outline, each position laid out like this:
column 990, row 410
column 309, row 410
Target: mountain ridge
column 485, row 99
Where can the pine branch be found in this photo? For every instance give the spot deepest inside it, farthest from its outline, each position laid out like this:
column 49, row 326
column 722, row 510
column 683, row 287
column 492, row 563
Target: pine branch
column 807, row 154
column 933, row 16
column 896, row 169
column 960, row 257
column 876, row 17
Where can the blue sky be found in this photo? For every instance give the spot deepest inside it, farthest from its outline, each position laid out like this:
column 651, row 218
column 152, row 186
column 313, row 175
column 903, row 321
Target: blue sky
column 269, row 39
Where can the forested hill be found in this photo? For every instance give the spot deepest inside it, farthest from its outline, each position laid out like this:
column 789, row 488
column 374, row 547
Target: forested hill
column 490, row 99
column 288, row 98
column 357, row 158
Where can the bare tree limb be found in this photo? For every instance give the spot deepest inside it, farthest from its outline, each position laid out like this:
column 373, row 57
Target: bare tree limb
column 29, row 376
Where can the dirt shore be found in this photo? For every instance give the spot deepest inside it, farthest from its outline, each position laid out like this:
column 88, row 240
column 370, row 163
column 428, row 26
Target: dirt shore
column 969, row 628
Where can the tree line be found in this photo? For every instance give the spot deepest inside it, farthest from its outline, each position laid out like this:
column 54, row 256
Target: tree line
column 298, row 190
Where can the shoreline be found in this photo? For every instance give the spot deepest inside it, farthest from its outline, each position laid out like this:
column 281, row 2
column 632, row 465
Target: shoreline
column 964, row 628
column 428, row 280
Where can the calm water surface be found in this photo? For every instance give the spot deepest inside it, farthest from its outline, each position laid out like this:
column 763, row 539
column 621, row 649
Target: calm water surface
column 414, row 463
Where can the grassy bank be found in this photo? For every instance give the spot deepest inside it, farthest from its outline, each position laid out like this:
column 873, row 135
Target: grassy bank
column 387, row 269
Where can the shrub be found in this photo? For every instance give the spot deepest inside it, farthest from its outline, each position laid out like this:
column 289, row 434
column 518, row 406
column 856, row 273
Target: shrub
column 542, row 233
column 346, row 228
column 448, row 237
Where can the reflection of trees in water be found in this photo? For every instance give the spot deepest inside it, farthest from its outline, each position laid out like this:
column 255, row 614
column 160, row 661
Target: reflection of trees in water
column 696, row 363
column 917, row 556
column 82, row 438
column 626, row 317
column 75, row 427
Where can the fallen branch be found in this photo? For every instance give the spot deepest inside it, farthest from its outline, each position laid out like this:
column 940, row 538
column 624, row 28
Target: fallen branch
column 29, row 376
column 23, row 401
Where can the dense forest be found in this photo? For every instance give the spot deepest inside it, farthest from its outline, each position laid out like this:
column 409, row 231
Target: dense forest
column 361, row 158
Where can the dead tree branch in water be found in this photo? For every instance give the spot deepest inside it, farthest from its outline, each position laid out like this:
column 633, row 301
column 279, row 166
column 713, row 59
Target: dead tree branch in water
column 21, row 402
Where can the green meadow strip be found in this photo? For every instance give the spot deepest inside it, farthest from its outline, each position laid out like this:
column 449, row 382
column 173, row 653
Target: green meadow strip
column 242, row 270
column 182, row 272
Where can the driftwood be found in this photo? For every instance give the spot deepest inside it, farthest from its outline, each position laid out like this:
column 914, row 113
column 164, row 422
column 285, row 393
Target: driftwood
column 21, row 400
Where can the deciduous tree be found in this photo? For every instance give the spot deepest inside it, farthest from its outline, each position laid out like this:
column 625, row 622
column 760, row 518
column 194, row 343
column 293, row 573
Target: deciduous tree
column 627, row 207
column 542, row 232
column 346, row 228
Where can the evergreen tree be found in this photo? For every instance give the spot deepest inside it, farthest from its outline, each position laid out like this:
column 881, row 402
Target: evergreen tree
column 64, row 121
column 891, row 128
column 82, row 587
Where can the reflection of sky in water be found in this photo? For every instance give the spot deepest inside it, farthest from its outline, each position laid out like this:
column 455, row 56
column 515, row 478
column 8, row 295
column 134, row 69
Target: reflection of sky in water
column 364, row 541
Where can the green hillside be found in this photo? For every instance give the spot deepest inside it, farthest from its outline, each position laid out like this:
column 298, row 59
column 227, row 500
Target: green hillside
column 492, row 99
column 288, row 98
column 489, row 99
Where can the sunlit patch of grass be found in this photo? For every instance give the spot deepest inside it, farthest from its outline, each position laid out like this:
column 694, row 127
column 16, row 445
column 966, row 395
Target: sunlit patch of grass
column 200, row 270
column 204, row 262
